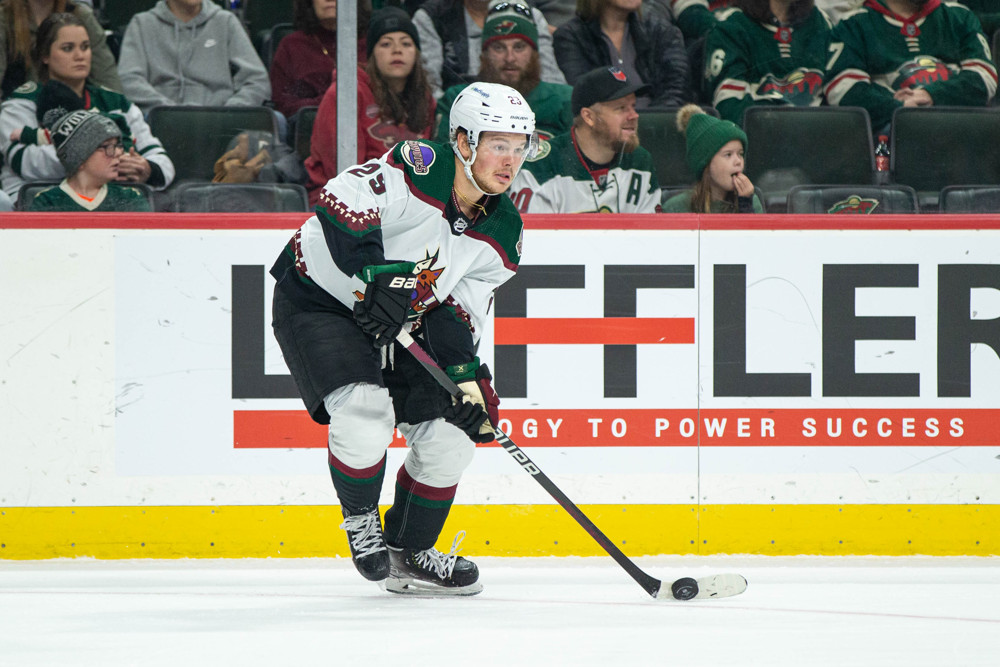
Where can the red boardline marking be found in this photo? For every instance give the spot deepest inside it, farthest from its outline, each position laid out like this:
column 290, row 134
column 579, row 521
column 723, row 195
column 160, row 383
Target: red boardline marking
column 594, row 331
column 277, row 429
column 579, row 221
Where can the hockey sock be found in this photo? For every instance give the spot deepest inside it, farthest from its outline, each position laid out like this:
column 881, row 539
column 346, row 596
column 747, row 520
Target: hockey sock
column 357, row 489
column 418, row 512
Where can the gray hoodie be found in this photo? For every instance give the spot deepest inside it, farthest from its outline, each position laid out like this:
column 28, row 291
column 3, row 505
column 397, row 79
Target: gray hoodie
column 208, row 61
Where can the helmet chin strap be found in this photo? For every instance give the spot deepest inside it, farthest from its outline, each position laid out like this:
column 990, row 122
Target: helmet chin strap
column 468, row 167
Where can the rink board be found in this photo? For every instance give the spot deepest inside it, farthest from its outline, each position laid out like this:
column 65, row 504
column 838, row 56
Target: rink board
column 804, row 385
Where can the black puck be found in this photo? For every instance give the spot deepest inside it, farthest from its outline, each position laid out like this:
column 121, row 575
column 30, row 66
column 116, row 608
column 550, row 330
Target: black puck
column 684, row 589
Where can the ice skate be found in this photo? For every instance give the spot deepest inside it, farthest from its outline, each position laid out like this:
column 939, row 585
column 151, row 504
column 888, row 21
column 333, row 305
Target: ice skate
column 368, row 549
column 430, row 572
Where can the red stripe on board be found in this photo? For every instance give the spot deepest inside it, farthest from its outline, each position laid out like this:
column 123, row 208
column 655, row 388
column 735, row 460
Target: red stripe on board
column 578, row 221
column 593, row 331
column 279, row 429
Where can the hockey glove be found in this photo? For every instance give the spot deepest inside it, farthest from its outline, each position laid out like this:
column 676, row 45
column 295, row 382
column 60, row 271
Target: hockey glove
column 480, row 401
column 388, row 297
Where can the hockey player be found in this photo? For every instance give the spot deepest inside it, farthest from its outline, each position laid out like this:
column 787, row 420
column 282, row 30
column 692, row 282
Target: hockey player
column 418, row 238
column 766, row 52
column 893, row 53
column 598, row 166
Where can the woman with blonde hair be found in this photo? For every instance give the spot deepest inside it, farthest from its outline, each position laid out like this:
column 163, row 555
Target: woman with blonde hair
column 19, row 21
column 716, row 157
column 394, row 99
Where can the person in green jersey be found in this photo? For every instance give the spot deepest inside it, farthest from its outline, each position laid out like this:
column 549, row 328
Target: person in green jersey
column 715, row 156
column 89, row 146
column 509, row 56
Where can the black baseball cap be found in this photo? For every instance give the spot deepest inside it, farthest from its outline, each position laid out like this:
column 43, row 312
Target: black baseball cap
column 603, row 85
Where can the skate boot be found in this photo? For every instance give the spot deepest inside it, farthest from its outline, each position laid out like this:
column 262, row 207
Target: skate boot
column 368, row 550
column 430, row 572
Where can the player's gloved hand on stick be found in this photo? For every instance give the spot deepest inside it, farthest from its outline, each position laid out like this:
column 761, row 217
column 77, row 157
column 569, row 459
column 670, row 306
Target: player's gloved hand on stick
column 478, row 413
column 388, row 297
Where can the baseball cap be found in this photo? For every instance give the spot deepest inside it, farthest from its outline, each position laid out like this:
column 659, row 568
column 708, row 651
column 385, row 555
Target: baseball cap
column 604, row 84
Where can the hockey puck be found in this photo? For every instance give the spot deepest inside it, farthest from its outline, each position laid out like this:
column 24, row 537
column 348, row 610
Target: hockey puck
column 684, row 589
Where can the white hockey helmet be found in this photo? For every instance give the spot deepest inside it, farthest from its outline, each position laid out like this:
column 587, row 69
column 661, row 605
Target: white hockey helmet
column 490, row 107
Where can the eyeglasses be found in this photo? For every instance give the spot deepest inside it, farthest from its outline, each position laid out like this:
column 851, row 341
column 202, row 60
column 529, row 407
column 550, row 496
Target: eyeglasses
column 111, row 149
column 513, row 6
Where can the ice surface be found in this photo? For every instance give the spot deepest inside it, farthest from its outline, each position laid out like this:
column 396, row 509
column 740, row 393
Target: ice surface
column 801, row 612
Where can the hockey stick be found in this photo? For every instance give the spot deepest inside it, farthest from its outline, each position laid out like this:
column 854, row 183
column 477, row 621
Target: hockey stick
column 686, row 588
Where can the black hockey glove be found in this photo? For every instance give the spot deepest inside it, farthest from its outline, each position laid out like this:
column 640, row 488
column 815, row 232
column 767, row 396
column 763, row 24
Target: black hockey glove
column 478, row 413
column 388, row 297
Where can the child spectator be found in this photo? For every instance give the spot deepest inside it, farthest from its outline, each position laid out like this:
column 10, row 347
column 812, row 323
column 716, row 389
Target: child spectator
column 64, row 59
column 90, row 150
column 191, row 52
column 613, row 33
column 304, row 62
column 715, row 156
column 19, row 21
column 394, row 99
column 895, row 53
column 510, row 56
column 598, row 166
column 767, row 52
column 451, row 34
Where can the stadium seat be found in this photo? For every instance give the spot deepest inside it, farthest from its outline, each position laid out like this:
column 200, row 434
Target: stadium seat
column 970, row 199
column 934, row 147
column 658, row 134
column 790, row 146
column 27, row 193
column 260, row 16
column 863, row 199
column 195, row 137
column 304, row 119
column 269, row 43
column 240, row 197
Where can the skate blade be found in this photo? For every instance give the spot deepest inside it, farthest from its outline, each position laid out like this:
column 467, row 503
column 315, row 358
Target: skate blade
column 408, row 586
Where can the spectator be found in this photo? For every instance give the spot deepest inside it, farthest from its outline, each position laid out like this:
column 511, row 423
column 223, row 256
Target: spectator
column 556, row 12
column 89, row 146
column 191, row 52
column 19, row 21
column 394, row 99
column 715, row 156
column 63, row 58
column 304, row 62
column 769, row 52
column 598, row 166
column 451, row 34
column 613, row 33
column 510, row 56
column 694, row 17
column 899, row 53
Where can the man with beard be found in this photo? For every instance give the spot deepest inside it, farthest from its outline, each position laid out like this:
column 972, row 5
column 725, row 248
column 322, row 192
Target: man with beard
column 894, row 53
column 598, row 166
column 510, row 56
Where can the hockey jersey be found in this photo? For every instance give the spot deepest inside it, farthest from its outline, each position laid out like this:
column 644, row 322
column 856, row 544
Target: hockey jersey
column 558, row 180
column 399, row 208
column 875, row 52
column 750, row 63
column 29, row 162
column 111, row 198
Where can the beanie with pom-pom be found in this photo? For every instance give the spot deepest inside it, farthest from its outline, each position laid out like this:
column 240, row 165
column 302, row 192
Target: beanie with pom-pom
column 705, row 135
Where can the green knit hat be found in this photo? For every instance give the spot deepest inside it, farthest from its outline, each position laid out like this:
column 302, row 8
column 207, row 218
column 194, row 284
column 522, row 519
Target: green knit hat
column 509, row 20
column 705, row 135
